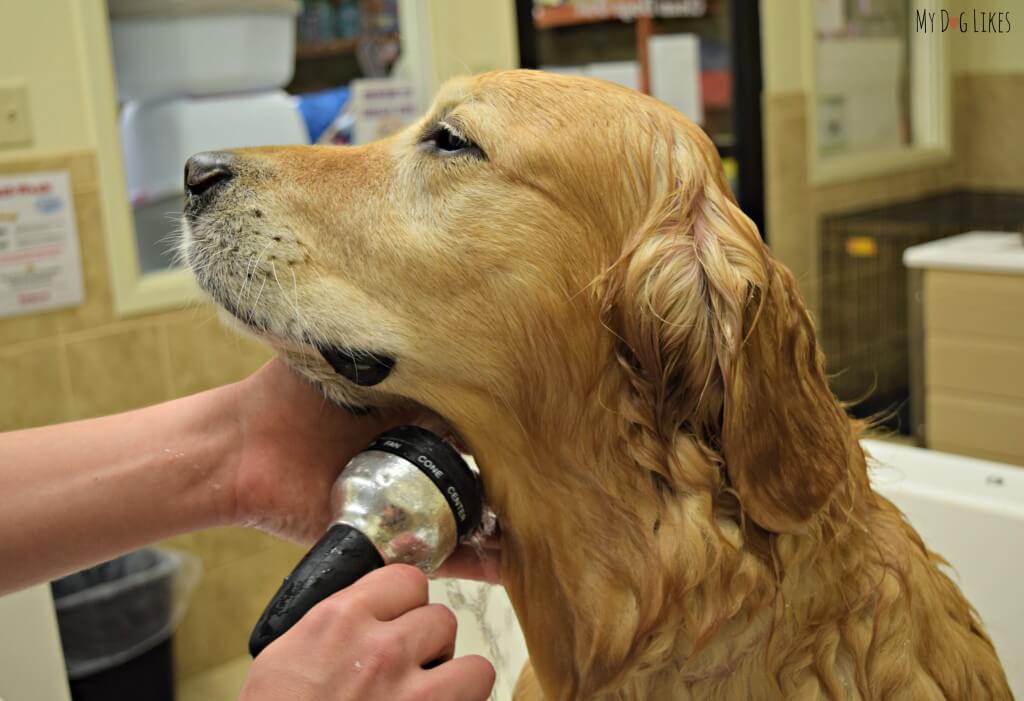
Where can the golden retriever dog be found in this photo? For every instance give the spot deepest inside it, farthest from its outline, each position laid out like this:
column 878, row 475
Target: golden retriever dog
column 556, row 267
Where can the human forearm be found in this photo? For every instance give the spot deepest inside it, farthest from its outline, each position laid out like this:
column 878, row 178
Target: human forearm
column 79, row 493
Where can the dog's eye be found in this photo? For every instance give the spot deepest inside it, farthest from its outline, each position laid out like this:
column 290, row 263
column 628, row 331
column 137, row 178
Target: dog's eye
column 447, row 140
column 444, row 139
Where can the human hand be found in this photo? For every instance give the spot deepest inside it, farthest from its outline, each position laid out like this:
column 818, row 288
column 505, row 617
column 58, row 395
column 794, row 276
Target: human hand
column 369, row 642
column 292, row 444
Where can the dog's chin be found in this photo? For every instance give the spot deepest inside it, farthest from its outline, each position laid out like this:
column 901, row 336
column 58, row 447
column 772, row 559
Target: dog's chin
column 307, row 361
column 334, row 369
column 337, row 361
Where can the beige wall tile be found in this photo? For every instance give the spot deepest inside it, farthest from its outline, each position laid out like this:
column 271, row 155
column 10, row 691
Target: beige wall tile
column 204, row 353
column 963, row 106
column 989, row 109
column 117, row 370
column 225, row 607
column 219, row 684
column 883, row 189
column 30, row 327
column 33, row 391
column 791, row 213
column 221, row 546
column 788, row 224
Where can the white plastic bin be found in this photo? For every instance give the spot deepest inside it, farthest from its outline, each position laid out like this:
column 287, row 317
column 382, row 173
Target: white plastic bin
column 158, row 137
column 201, row 47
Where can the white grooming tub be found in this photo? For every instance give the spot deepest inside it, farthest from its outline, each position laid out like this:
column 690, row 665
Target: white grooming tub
column 972, row 513
column 969, row 511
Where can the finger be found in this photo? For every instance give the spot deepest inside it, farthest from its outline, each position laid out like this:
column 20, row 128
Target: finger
column 467, row 563
column 429, row 632
column 468, row 678
column 390, row 591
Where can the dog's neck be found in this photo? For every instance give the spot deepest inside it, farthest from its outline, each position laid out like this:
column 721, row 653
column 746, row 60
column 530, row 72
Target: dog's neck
column 621, row 587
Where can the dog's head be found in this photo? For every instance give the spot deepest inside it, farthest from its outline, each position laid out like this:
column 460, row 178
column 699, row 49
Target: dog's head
column 557, row 267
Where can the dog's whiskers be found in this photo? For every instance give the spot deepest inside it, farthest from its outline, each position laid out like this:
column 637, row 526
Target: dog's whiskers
column 249, row 273
column 294, row 306
column 252, row 309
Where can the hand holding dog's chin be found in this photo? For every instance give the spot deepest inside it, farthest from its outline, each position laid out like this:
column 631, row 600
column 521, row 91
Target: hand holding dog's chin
column 288, row 447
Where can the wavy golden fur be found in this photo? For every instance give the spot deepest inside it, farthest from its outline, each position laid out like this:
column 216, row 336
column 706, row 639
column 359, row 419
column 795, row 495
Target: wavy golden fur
column 685, row 507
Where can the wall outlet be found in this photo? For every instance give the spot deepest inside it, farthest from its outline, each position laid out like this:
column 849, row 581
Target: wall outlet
column 15, row 124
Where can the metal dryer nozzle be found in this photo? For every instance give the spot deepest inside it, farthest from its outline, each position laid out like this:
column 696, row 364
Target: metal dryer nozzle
column 407, row 498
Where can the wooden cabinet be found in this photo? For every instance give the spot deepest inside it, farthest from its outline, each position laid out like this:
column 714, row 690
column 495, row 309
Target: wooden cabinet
column 968, row 330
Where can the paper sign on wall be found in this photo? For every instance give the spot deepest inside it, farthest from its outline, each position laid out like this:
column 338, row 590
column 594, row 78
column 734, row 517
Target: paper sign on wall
column 859, row 110
column 40, row 262
column 381, row 106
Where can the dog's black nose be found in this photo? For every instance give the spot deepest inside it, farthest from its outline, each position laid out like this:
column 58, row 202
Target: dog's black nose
column 205, row 170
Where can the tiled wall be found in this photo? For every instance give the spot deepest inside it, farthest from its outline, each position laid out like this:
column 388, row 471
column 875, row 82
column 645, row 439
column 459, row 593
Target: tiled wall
column 83, row 362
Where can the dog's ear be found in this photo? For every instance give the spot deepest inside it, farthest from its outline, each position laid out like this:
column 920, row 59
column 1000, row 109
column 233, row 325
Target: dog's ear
column 718, row 344
column 784, row 436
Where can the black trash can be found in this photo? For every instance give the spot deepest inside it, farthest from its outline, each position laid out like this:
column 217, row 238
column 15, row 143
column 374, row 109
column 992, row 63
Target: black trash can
column 116, row 622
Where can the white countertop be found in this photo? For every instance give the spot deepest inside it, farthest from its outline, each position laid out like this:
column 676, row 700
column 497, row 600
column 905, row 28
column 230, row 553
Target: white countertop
column 977, row 251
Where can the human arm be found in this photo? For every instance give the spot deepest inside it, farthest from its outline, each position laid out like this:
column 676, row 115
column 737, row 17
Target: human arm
column 262, row 452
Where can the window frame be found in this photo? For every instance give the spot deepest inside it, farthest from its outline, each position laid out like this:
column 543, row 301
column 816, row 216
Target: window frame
column 931, row 111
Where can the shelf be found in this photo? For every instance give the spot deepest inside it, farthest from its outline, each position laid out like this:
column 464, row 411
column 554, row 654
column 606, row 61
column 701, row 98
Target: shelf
column 571, row 15
column 725, row 145
column 334, row 47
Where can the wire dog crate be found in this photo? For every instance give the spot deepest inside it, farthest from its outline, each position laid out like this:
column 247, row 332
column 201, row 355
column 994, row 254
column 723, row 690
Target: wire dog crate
column 864, row 324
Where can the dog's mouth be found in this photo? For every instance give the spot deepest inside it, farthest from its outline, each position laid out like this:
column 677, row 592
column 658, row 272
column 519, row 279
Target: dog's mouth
column 360, row 367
